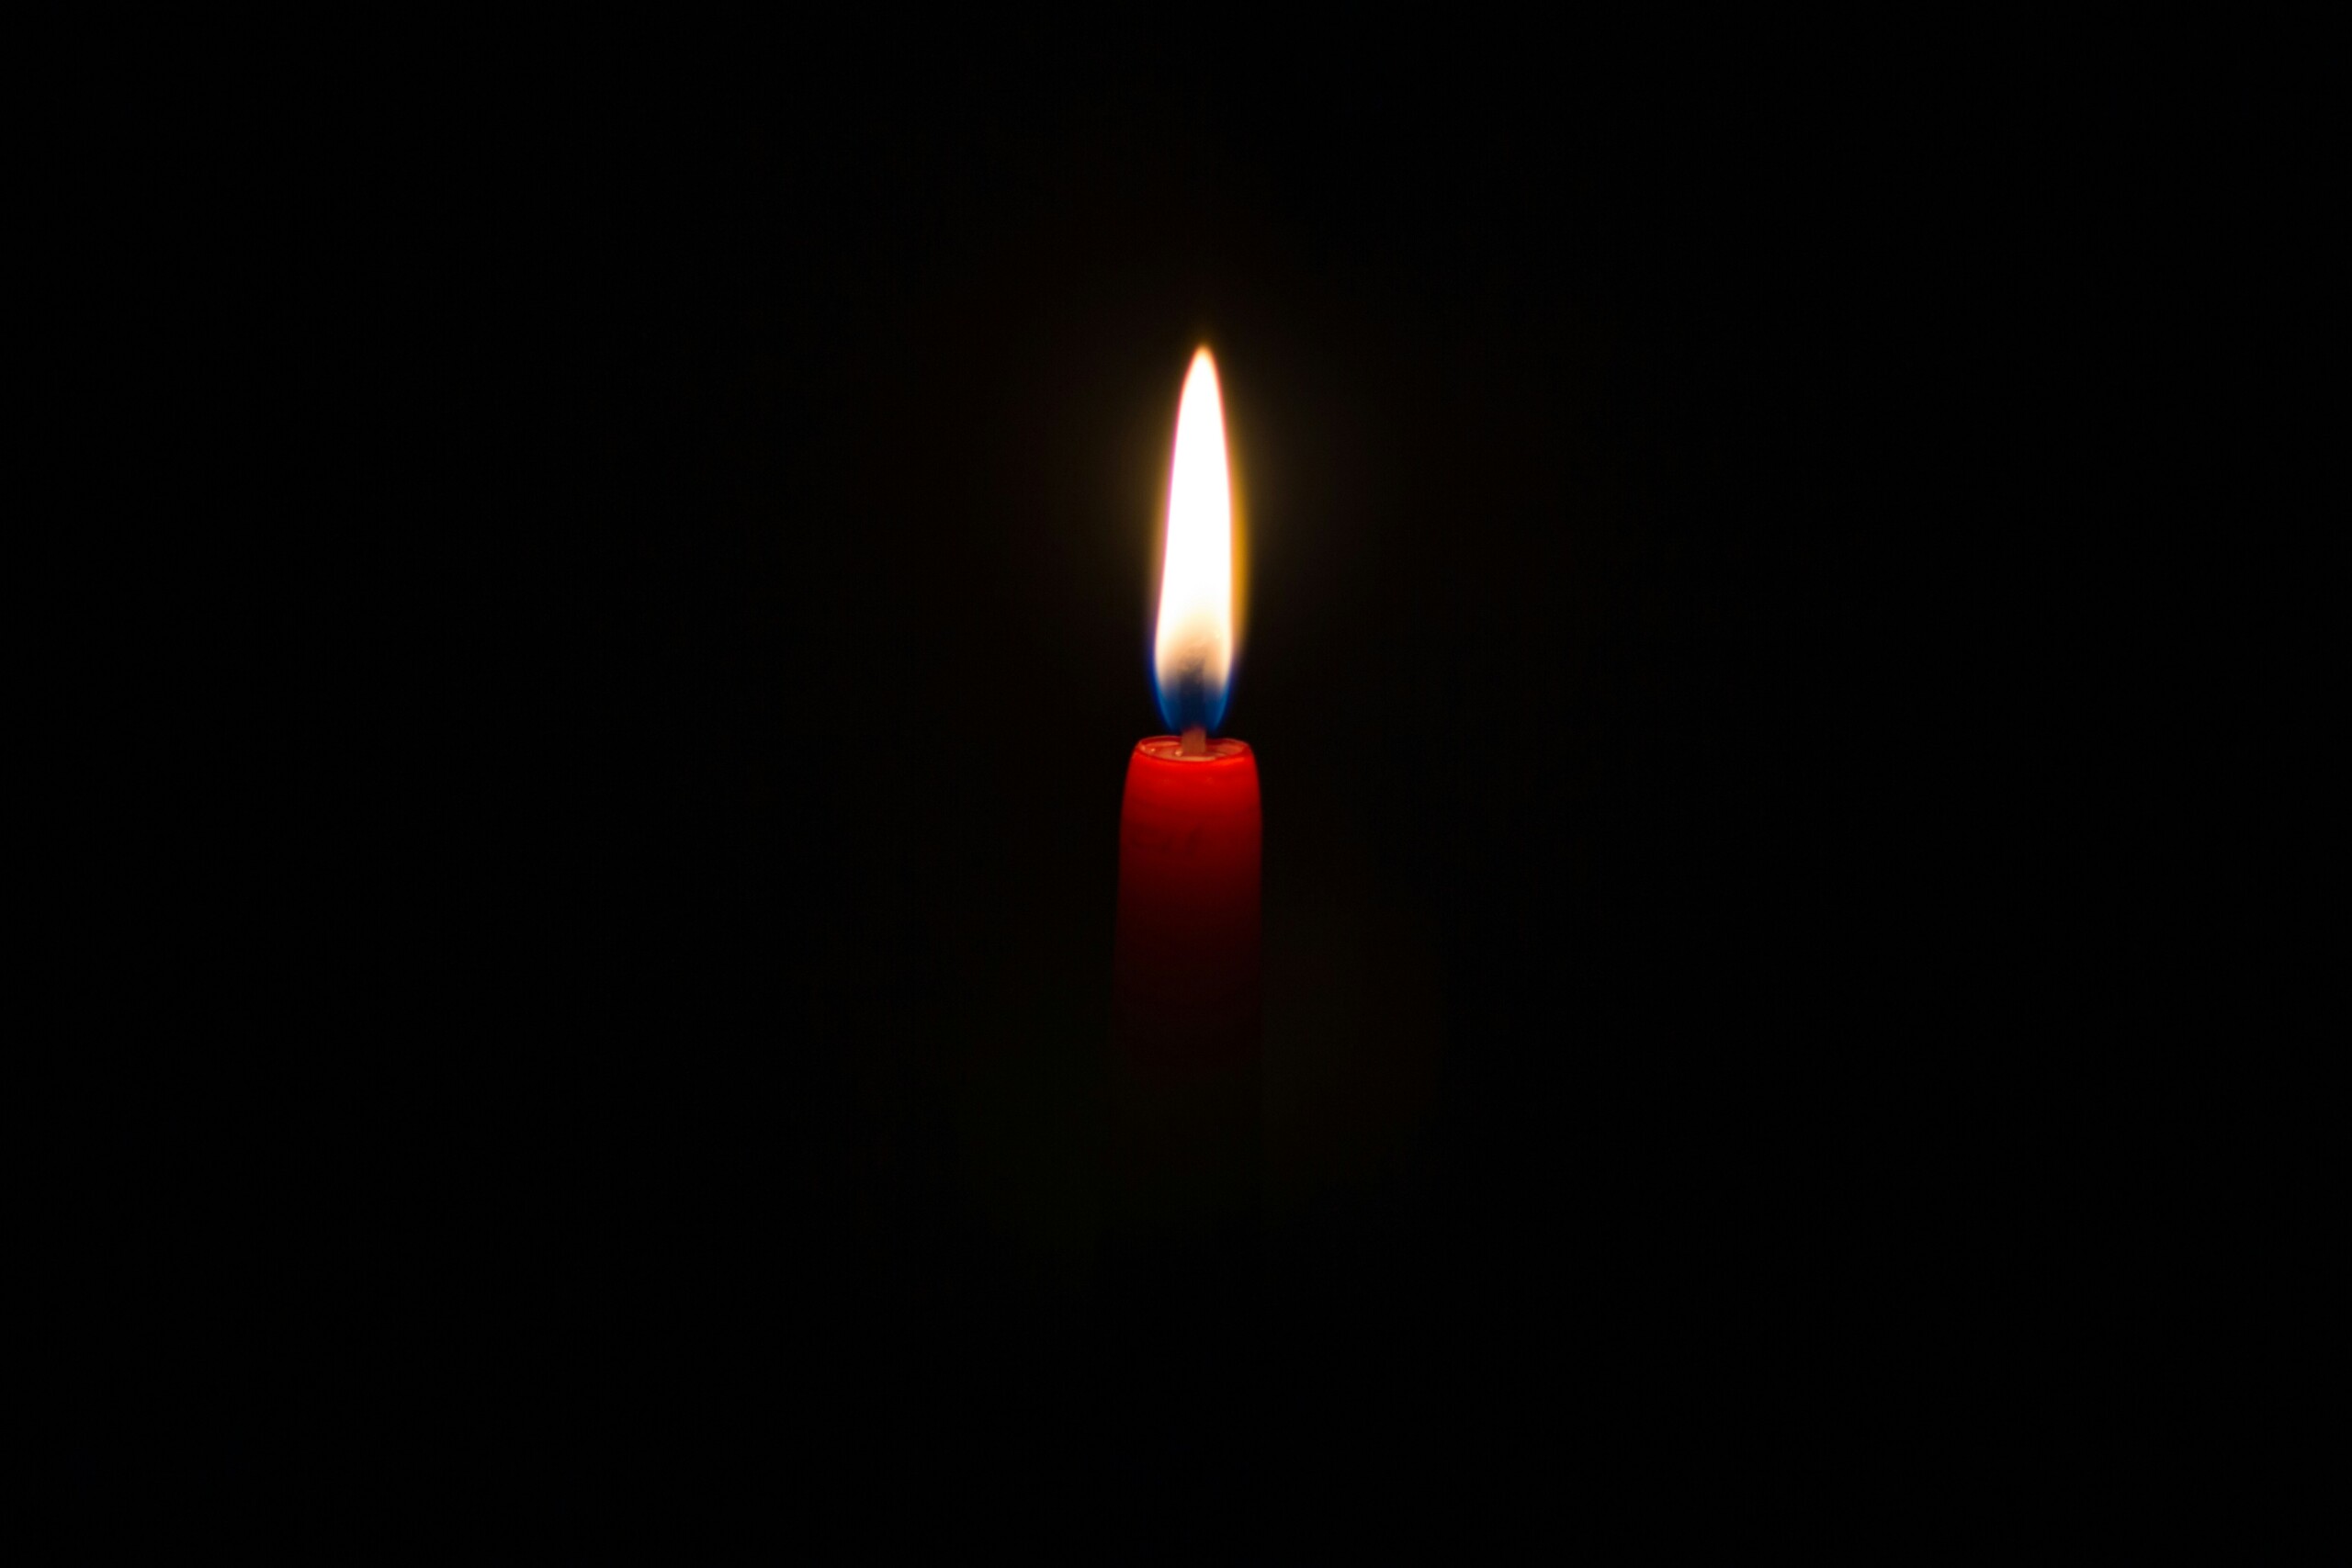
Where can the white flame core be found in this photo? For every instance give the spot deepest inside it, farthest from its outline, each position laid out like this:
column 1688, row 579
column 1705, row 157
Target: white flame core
column 1195, row 630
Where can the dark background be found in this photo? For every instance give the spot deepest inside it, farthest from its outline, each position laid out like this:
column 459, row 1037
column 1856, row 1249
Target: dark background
column 703, row 700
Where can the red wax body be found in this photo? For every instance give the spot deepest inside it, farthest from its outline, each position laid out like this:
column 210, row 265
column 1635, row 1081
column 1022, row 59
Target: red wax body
column 1186, row 966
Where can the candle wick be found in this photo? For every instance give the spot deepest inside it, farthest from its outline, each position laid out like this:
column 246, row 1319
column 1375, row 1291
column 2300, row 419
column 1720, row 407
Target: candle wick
column 1195, row 744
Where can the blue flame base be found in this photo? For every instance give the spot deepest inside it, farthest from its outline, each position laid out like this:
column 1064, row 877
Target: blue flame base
column 1188, row 702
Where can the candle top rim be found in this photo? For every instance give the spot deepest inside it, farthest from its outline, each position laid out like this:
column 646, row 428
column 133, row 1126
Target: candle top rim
column 1170, row 749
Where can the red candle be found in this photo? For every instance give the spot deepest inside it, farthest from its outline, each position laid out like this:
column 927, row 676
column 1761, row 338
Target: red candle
column 1185, row 967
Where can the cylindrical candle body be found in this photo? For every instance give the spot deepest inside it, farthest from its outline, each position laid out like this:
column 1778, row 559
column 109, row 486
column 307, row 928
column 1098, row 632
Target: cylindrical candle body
column 1185, row 969
column 1185, row 1126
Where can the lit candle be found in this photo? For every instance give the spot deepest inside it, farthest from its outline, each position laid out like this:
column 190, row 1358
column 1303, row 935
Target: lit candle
column 1186, row 965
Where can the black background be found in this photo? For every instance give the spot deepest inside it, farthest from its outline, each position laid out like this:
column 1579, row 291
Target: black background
column 703, row 706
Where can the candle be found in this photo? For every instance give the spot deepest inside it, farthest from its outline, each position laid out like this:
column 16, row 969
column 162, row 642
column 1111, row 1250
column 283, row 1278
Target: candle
column 1185, row 969
column 1186, row 965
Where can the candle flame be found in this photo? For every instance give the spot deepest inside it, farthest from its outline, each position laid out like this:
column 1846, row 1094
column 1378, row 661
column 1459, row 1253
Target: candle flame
column 1192, row 655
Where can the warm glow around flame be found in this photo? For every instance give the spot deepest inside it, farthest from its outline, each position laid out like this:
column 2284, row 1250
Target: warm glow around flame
column 1192, row 656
